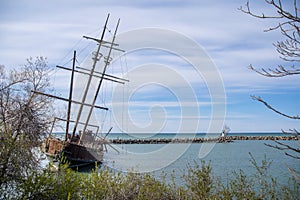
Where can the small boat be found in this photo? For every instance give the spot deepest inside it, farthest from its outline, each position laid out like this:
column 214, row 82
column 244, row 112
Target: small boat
column 83, row 148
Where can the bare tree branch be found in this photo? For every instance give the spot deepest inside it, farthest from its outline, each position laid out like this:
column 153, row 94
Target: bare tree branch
column 282, row 12
column 278, row 72
column 24, row 117
column 262, row 16
column 292, row 156
column 287, row 15
column 288, row 25
column 294, row 132
column 288, row 146
column 285, row 147
column 294, row 173
column 273, row 109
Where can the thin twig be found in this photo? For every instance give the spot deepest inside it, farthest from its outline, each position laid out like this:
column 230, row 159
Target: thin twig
column 294, row 173
column 278, row 72
column 273, row 109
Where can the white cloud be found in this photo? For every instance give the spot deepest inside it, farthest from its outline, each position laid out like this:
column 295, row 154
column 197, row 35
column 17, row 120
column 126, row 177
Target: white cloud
column 232, row 39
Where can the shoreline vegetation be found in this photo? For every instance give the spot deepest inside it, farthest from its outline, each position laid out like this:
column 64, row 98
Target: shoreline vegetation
column 198, row 182
column 199, row 140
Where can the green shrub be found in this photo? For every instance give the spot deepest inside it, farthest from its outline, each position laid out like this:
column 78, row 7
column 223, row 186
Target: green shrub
column 199, row 183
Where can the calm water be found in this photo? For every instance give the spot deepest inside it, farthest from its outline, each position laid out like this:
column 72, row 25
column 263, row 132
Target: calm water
column 223, row 157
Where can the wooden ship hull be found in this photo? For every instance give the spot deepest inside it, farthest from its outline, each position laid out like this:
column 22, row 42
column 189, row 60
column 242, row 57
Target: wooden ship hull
column 79, row 156
column 75, row 155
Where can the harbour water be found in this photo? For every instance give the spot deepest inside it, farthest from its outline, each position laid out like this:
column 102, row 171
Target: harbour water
column 224, row 158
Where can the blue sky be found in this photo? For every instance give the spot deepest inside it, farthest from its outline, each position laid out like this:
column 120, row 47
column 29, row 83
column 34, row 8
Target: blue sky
column 231, row 39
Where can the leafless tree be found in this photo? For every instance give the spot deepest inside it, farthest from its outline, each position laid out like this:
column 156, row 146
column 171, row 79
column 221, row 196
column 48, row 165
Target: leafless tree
column 288, row 23
column 24, row 117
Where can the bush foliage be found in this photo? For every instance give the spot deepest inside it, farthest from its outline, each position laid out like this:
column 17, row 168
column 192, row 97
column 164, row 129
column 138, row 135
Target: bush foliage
column 199, row 183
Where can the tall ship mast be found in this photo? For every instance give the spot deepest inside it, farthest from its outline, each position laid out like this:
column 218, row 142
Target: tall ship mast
column 84, row 147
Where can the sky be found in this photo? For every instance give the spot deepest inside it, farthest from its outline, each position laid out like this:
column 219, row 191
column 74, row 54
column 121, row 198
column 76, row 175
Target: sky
column 187, row 60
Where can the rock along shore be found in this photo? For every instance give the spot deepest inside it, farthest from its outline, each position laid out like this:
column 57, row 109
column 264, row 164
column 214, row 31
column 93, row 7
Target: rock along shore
column 199, row 140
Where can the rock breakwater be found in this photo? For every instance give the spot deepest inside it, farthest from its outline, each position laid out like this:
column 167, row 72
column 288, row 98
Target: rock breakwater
column 199, row 140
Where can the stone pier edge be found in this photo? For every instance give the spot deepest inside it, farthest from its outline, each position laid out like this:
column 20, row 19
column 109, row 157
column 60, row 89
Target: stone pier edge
column 200, row 140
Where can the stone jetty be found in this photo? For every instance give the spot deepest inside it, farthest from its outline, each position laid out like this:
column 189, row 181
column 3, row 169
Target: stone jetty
column 200, row 140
